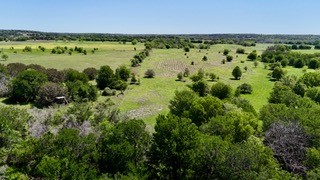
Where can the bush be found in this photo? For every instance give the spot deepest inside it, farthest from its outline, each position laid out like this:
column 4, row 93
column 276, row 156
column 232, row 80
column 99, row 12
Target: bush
column 221, row 90
column 226, row 52
column 119, row 85
column 253, row 55
column 284, row 62
column 213, row 76
column 180, row 76
column 186, row 49
column 149, row 73
column 245, row 88
column 48, row 92
column 314, row 64
column 277, row 73
column 133, row 79
column 108, row 92
column 27, row 49
column 186, row 72
column 229, row 58
column 205, row 58
column 200, row 87
column 91, row 73
column 240, row 51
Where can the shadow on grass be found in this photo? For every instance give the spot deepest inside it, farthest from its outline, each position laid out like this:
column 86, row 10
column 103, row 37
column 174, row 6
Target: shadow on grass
column 8, row 101
column 235, row 79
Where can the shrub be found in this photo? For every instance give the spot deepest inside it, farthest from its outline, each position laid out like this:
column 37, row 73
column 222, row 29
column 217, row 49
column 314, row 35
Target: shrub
column 213, row 76
column 186, row 72
column 186, row 49
column 240, row 51
column 314, row 64
column 205, row 58
column 245, row 88
column 133, row 79
column 149, row 73
column 226, row 52
column 36, row 67
column 108, row 92
column 229, row 58
column 221, row 90
column 180, row 76
column 277, row 73
column 200, row 87
column 48, row 92
column 27, row 49
column 253, row 55
column 91, row 73
column 284, row 62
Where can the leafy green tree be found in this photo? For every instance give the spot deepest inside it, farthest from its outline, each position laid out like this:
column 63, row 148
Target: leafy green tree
column 124, row 150
column 314, row 64
column 201, row 87
column 172, row 153
column 105, row 77
column 26, row 85
column 311, row 79
column 123, row 73
column 91, row 73
column 74, row 75
column 134, row 42
column 79, row 91
column 181, row 103
column 13, row 125
column 245, row 88
column 278, row 73
column 237, row 73
column 221, row 90
column 284, row 62
column 253, row 55
column 235, row 126
column 204, row 108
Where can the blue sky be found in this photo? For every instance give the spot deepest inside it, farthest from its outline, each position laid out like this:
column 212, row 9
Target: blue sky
column 163, row 16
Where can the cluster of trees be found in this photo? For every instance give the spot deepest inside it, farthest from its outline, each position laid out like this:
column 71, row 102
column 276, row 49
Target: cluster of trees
column 62, row 50
column 282, row 54
column 35, row 84
column 301, row 46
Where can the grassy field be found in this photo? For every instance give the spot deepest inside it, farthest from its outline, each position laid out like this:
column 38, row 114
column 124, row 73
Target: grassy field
column 152, row 97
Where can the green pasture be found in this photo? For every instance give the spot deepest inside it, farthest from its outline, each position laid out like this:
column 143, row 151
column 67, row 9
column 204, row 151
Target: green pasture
column 152, row 96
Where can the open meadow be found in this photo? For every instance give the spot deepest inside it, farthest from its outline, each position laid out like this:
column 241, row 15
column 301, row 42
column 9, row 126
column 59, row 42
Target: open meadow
column 152, row 96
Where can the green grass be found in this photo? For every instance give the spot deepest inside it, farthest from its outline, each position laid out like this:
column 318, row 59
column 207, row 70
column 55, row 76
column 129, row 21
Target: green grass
column 152, row 96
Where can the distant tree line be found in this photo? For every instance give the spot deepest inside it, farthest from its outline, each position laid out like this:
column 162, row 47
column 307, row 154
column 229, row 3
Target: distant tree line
column 241, row 39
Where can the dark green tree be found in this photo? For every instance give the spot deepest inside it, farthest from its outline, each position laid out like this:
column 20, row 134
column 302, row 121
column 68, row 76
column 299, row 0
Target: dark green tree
column 237, row 73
